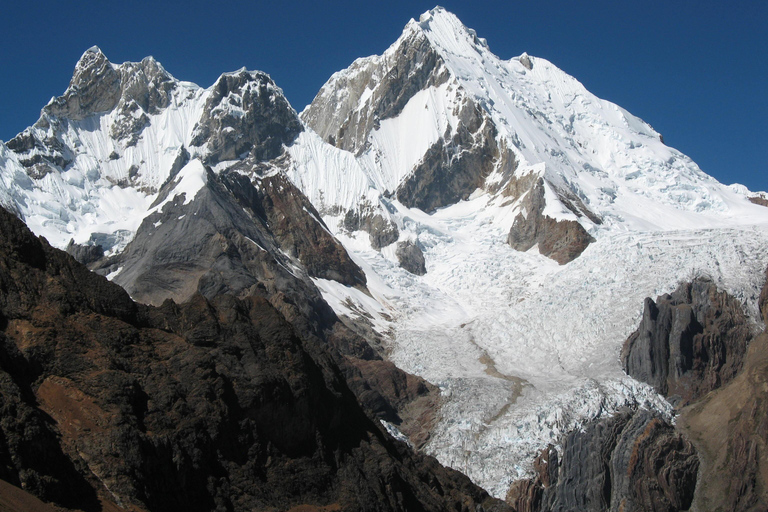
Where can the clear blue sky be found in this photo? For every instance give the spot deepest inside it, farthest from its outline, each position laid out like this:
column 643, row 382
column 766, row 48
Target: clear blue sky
column 695, row 70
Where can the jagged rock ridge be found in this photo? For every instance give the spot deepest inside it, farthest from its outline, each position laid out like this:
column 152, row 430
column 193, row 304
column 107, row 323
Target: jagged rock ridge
column 689, row 342
column 633, row 461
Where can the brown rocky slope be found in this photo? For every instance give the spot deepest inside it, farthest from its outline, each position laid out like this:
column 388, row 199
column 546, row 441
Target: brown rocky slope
column 209, row 405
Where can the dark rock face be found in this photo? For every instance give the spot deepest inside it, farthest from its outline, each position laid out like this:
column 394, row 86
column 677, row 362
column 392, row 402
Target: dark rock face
column 688, row 343
column 730, row 428
column 48, row 153
column 633, row 461
column 411, row 258
column 563, row 240
column 454, row 167
column 250, row 232
column 215, row 245
column 211, row 405
column 246, row 114
column 297, row 226
column 381, row 231
column 85, row 254
column 237, row 236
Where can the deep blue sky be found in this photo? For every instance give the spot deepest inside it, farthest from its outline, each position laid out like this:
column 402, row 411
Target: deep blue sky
column 697, row 70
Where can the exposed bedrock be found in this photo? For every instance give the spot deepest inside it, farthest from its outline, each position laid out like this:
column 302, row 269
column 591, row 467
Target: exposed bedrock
column 338, row 115
column 411, row 257
column 457, row 164
column 561, row 240
column 632, row 461
column 246, row 113
column 688, row 343
column 730, row 427
column 374, row 221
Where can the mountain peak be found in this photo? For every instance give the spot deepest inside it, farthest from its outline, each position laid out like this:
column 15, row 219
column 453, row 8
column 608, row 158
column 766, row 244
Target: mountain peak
column 92, row 59
column 94, row 87
column 446, row 31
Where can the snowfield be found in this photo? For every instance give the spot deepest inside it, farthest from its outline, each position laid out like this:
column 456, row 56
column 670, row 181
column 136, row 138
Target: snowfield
column 523, row 349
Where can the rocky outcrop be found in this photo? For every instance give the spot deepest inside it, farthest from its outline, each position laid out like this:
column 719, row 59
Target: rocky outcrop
column 688, row 343
column 210, row 405
column 525, row 60
column 245, row 114
column 85, row 254
column 561, row 240
column 296, row 225
column 730, row 428
column 632, row 461
column 381, row 230
column 411, row 258
column 456, row 165
column 146, row 90
column 94, row 87
column 338, row 115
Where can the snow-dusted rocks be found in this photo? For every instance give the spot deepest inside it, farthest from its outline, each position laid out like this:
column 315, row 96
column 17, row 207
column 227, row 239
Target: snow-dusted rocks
column 245, row 113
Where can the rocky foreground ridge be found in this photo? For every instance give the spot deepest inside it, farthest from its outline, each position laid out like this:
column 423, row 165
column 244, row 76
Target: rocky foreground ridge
column 210, row 405
column 696, row 347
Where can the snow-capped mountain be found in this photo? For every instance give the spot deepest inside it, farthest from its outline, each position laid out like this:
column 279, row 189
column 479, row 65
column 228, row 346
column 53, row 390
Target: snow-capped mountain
column 490, row 224
column 440, row 144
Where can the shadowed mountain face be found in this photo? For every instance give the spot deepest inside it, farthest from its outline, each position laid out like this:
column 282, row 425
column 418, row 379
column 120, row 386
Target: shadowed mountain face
column 632, row 461
column 212, row 405
column 689, row 342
